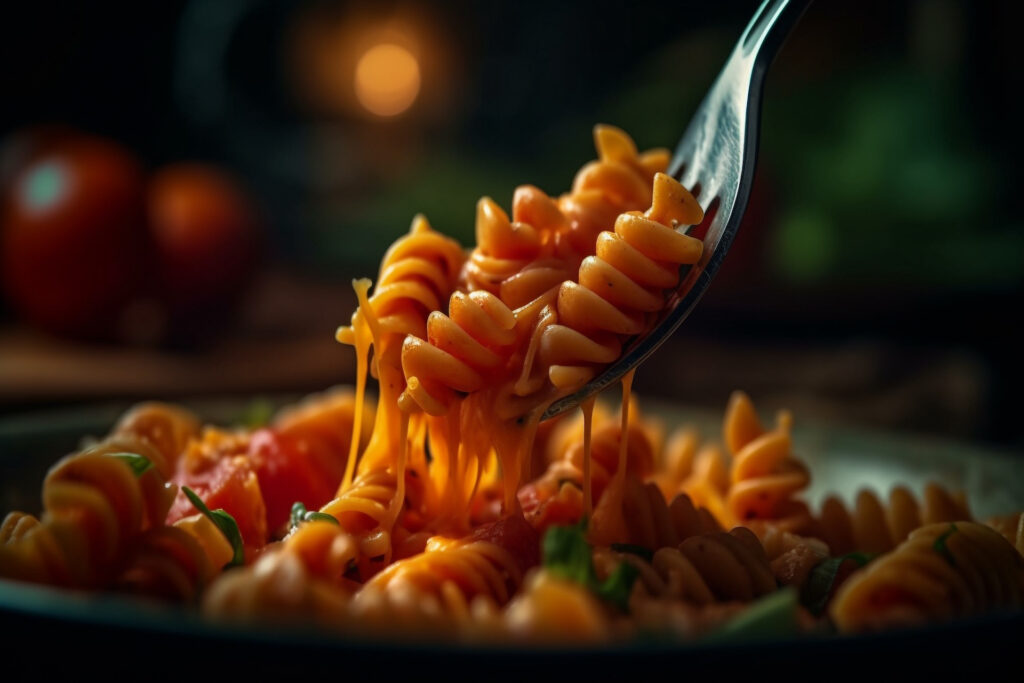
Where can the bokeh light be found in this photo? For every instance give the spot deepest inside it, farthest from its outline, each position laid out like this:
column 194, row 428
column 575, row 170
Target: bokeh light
column 387, row 79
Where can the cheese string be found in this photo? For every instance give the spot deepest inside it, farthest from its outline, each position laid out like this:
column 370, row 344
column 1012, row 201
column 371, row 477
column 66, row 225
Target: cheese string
column 587, row 407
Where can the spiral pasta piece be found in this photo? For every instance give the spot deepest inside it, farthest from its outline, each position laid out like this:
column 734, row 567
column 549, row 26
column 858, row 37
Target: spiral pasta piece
column 302, row 578
column 675, row 462
column 463, row 350
column 166, row 562
column 709, row 481
column 620, row 284
column 1012, row 529
column 618, row 181
column 16, row 525
column 299, row 578
column 417, row 275
column 708, row 568
column 94, row 505
column 363, row 510
column 765, row 474
column 651, row 522
column 551, row 609
column 940, row 572
column 458, row 575
column 167, row 428
column 518, row 260
column 875, row 527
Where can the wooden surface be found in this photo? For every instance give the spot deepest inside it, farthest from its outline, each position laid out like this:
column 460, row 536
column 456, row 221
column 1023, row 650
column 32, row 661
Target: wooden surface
column 282, row 340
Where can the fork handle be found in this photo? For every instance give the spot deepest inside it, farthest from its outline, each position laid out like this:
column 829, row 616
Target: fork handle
column 768, row 29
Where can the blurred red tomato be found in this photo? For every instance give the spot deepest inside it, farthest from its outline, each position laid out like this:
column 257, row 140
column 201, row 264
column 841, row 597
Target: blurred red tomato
column 205, row 235
column 72, row 238
column 25, row 145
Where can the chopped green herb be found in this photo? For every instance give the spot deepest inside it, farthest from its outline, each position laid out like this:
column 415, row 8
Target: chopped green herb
column 300, row 514
column 567, row 554
column 138, row 463
column 773, row 616
column 632, row 549
column 256, row 414
column 619, row 584
column 823, row 577
column 223, row 521
column 941, row 546
column 315, row 516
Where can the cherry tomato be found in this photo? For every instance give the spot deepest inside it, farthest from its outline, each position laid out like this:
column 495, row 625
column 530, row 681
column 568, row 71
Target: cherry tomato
column 72, row 236
column 205, row 235
column 24, row 146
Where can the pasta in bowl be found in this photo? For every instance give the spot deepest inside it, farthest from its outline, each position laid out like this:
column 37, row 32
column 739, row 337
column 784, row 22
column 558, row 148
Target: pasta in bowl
column 445, row 509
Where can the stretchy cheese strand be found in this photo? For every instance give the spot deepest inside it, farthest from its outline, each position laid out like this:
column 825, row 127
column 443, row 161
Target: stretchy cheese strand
column 417, row 273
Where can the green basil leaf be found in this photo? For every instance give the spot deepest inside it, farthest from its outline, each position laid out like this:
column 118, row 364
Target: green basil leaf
column 138, row 463
column 822, row 578
column 223, row 521
column 314, row 516
column 618, row 586
column 638, row 550
column 298, row 512
column 566, row 553
column 773, row 616
column 942, row 548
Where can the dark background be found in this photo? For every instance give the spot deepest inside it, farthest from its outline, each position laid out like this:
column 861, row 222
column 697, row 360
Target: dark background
column 877, row 279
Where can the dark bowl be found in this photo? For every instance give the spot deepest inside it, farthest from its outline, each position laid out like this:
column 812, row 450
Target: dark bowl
column 47, row 632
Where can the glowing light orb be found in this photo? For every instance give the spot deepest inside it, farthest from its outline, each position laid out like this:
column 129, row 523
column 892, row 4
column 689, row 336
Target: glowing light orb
column 387, row 79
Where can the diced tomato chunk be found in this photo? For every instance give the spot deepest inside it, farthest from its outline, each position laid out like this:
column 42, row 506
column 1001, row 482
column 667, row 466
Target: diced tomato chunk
column 561, row 509
column 292, row 467
column 225, row 480
column 514, row 534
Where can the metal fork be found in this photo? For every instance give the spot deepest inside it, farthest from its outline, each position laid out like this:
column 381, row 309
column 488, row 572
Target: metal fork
column 715, row 159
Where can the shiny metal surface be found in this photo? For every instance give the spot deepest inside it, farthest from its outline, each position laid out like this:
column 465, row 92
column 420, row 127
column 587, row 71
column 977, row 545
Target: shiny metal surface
column 715, row 159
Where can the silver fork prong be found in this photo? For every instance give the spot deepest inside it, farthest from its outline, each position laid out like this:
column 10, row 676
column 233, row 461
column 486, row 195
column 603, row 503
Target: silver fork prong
column 715, row 156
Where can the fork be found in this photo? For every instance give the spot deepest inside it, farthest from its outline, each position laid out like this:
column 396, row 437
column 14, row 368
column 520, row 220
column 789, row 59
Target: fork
column 715, row 159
